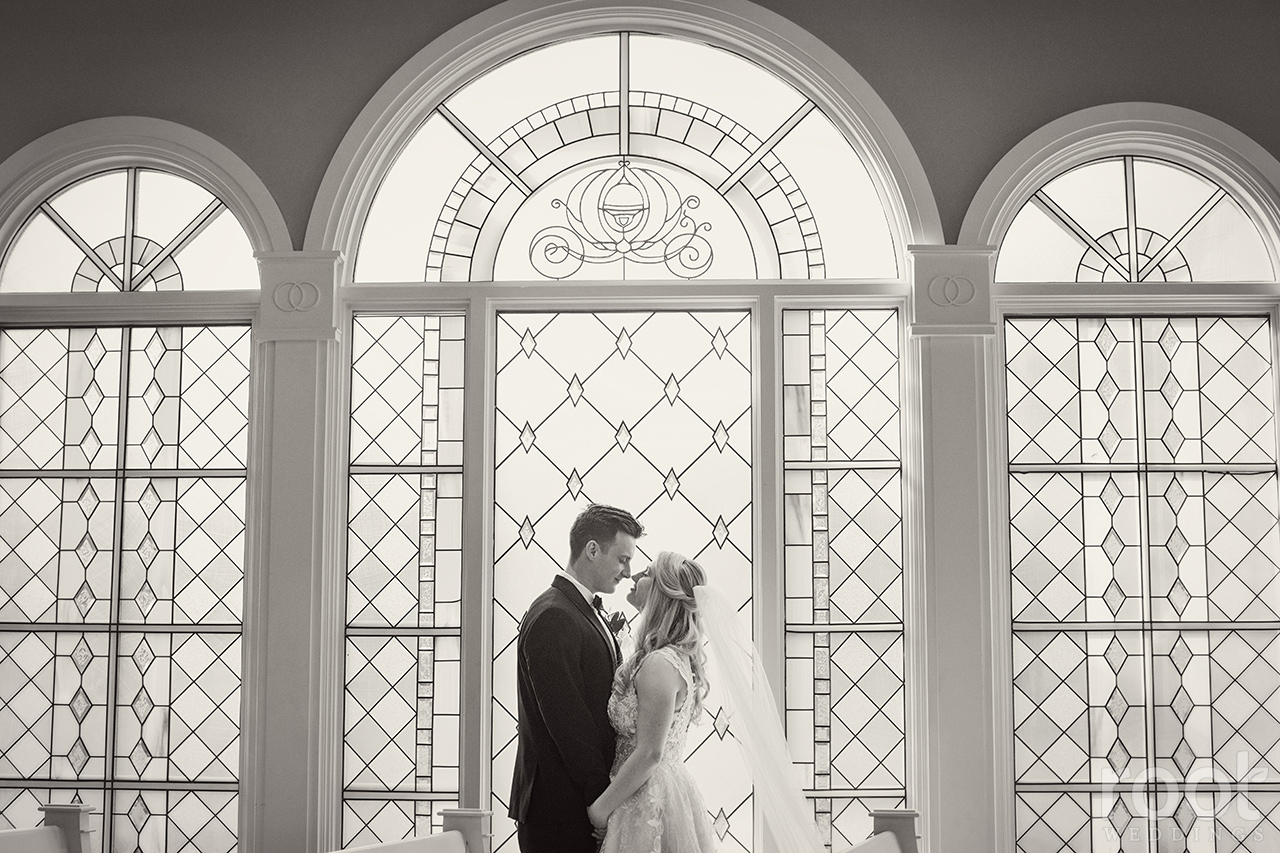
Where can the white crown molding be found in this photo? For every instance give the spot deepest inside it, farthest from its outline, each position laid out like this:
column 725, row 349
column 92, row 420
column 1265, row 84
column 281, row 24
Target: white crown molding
column 61, row 157
column 404, row 101
column 1243, row 167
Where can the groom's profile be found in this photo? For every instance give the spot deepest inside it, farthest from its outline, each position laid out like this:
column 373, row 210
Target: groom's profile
column 565, row 660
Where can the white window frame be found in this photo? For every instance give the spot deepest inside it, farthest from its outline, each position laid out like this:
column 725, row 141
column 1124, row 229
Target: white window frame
column 347, row 192
column 1205, row 145
column 71, row 153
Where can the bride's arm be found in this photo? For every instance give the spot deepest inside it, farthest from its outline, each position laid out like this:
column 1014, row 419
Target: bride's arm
column 658, row 686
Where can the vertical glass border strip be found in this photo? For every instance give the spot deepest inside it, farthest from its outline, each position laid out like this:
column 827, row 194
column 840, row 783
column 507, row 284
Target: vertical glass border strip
column 843, row 563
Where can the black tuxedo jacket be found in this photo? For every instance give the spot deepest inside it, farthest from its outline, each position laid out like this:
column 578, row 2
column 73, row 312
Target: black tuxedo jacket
column 565, row 660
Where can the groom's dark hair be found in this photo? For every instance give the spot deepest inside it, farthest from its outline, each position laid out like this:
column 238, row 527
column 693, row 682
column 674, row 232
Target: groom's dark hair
column 601, row 523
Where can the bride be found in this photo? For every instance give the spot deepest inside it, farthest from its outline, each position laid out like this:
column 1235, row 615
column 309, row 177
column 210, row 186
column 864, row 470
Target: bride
column 653, row 804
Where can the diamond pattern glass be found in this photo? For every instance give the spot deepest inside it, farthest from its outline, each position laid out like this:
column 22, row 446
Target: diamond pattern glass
column 101, row 538
column 1148, row 524
column 842, row 532
column 650, row 411
column 404, row 576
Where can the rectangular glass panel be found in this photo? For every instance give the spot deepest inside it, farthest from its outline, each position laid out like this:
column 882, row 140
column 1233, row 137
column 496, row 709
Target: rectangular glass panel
column 101, row 706
column 404, row 576
column 649, row 411
column 1154, row 517
column 843, row 569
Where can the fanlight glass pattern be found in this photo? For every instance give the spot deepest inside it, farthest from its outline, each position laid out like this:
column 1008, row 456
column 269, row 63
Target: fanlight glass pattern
column 1133, row 219
column 404, row 577
column 129, row 230
column 122, row 533
column 846, row 710
column 1144, row 591
column 626, row 156
column 649, row 411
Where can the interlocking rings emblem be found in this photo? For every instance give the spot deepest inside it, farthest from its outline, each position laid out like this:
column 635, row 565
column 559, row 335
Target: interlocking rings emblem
column 296, row 296
column 951, row 291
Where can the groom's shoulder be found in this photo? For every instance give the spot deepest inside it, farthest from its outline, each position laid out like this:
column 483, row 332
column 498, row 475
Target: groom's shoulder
column 549, row 599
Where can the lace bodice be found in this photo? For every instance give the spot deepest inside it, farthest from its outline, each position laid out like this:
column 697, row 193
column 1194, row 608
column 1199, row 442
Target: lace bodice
column 623, row 710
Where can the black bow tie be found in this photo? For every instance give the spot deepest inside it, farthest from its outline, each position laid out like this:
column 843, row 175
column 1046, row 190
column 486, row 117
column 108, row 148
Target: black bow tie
column 597, row 603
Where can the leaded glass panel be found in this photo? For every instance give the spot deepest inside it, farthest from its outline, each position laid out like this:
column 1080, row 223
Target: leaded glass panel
column 1132, row 219
column 121, row 576
column 129, row 230
column 842, row 533
column 626, row 156
column 1148, row 523
column 650, row 411
column 404, row 576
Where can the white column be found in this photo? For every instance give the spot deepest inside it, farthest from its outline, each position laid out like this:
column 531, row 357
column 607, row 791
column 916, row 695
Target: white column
column 951, row 325
column 293, row 632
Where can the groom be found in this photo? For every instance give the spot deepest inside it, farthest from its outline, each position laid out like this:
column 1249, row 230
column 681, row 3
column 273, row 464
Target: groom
column 565, row 659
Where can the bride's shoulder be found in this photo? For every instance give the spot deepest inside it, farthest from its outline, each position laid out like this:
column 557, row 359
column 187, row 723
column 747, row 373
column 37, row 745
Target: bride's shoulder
column 672, row 658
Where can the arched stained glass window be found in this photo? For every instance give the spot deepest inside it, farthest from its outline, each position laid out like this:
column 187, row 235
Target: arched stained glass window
column 130, row 229
column 1133, row 219
column 626, row 156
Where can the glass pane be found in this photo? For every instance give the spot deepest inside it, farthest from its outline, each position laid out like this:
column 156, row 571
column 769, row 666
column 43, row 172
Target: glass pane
column 840, row 385
column 167, row 204
column 1038, row 247
column 522, row 86
column 1069, row 389
column 1113, row 820
column 158, row 821
column 715, row 79
column 59, row 397
column 219, row 257
column 56, row 539
column 178, row 707
column 404, row 550
column 844, row 202
column 42, row 258
column 1078, row 706
column 1208, row 389
column 94, row 208
column 1075, row 547
column 647, row 411
column 188, row 397
column 1225, row 246
column 406, row 390
column 410, row 200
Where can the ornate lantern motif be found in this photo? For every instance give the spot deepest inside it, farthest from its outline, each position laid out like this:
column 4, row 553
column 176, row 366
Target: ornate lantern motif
column 624, row 213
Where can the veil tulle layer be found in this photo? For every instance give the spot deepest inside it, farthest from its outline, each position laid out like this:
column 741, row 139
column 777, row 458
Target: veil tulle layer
column 735, row 668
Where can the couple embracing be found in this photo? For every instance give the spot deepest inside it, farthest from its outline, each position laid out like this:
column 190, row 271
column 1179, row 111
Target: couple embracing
column 600, row 757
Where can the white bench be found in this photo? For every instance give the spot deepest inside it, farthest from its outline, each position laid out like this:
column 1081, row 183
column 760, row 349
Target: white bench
column 67, row 829
column 892, row 831
column 444, row 842
column 465, row 831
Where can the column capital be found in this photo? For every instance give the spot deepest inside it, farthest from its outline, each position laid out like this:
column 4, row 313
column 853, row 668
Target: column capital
column 951, row 290
column 299, row 296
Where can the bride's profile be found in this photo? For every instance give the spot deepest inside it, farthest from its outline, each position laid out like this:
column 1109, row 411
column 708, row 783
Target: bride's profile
column 652, row 803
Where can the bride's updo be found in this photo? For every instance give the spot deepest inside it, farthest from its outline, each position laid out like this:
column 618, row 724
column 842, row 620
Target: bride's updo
column 670, row 618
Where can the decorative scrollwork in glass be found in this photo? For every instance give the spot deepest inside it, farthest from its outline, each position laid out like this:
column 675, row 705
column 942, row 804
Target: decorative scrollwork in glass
column 628, row 213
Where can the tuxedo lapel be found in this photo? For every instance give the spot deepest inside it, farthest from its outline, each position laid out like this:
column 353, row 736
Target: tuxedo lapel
column 588, row 612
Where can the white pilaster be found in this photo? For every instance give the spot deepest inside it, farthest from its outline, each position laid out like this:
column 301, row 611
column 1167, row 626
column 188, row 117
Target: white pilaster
column 951, row 325
column 292, row 711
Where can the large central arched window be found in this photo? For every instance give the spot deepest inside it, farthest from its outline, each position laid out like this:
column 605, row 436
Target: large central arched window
column 722, row 358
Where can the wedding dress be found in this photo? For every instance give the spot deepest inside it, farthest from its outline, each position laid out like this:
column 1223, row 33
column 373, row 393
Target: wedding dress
column 667, row 814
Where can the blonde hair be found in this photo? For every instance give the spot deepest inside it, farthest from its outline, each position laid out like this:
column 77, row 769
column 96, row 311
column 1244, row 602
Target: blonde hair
column 670, row 618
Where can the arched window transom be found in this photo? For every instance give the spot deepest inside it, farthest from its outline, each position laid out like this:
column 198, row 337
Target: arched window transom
column 626, row 156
